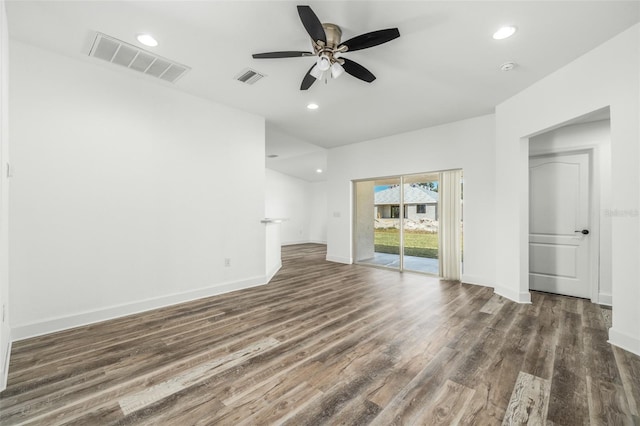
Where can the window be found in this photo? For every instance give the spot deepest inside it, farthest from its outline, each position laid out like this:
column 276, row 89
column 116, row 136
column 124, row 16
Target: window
column 421, row 208
column 395, row 212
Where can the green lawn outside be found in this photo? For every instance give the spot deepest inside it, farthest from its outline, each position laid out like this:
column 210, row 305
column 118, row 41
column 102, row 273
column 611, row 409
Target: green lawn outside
column 417, row 243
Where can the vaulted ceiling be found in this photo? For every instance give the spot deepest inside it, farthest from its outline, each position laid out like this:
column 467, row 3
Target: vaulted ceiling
column 444, row 67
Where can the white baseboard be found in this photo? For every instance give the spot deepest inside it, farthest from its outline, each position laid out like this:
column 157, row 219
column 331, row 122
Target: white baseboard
column 337, row 259
column 84, row 318
column 605, row 299
column 468, row 279
column 624, row 341
column 5, row 366
column 273, row 272
column 293, row 243
column 518, row 297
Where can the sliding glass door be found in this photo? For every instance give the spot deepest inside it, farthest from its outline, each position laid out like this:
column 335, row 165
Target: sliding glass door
column 377, row 236
column 421, row 223
column 398, row 222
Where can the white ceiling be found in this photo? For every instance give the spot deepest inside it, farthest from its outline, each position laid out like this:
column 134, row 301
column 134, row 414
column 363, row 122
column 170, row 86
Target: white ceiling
column 443, row 68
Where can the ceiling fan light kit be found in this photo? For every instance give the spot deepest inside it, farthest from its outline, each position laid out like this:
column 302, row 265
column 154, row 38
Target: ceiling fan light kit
column 336, row 70
column 328, row 48
column 315, row 72
column 324, row 62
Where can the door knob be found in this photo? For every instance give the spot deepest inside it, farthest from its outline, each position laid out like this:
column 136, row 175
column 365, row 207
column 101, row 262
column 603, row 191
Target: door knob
column 584, row 232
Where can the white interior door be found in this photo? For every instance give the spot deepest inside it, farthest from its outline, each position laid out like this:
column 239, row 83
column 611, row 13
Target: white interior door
column 559, row 224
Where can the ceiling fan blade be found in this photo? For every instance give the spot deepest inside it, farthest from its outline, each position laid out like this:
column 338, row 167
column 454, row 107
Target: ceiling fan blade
column 357, row 70
column 374, row 38
column 312, row 24
column 285, row 54
column 308, row 79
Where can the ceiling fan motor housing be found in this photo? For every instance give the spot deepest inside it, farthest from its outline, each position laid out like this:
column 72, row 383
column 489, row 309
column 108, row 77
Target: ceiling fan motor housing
column 334, row 34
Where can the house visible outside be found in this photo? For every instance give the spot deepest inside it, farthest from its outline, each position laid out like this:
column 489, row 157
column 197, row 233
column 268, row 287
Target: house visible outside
column 420, row 203
column 420, row 219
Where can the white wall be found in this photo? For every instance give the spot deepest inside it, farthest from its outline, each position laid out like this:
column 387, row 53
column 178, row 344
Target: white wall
column 5, row 332
column 286, row 197
column 318, row 212
column 588, row 84
column 595, row 136
column 300, row 203
column 273, row 249
column 467, row 145
column 127, row 195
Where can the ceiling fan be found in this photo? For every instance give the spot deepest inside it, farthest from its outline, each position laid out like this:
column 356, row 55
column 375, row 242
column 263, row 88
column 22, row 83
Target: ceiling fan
column 328, row 49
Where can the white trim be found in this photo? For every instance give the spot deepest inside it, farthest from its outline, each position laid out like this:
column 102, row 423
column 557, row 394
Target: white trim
column 624, row 341
column 5, row 367
column 62, row 323
column 523, row 223
column 593, row 151
column 595, row 247
column 469, row 279
column 273, row 272
column 293, row 243
column 401, row 208
column 521, row 297
column 605, row 299
column 337, row 259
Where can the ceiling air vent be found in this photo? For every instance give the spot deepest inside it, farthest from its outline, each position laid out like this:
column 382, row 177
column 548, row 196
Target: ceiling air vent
column 118, row 52
column 249, row 76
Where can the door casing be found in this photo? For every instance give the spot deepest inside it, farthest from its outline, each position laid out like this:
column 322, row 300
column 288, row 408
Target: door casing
column 594, row 211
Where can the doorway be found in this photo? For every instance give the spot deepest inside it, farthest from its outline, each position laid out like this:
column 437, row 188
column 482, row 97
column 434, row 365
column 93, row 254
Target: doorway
column 589, row 135
column 559, row 223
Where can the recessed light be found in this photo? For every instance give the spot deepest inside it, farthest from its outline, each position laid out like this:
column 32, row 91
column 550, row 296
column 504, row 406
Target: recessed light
column 504, row 32
column 312, row 106
column 147, row 40
column 507, row 66
column 318, row 170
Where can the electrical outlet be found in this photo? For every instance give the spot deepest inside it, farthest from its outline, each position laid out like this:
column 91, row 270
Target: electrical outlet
column 227, row 262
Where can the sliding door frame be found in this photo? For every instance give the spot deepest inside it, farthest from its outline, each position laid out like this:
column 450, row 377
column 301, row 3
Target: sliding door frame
column 401, row 218
column 401, row 224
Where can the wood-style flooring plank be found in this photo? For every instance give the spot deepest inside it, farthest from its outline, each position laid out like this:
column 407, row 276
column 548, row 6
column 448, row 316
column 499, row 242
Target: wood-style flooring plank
column 416, row 396
column 529, row 401
column 540, row 354
column 607, row 403
column 568, row 398
column 493, row 305
column 328, row 343
column 629, row 368
column 448, row 407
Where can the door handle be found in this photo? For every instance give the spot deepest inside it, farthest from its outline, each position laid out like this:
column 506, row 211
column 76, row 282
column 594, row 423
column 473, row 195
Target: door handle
column 584, row 232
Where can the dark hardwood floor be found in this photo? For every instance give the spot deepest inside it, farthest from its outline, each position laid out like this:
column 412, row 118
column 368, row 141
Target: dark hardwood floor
column 326, row 343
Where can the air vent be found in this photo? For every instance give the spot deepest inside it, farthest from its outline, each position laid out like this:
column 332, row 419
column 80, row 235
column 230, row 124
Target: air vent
column 249, row 76
column 118, row 52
